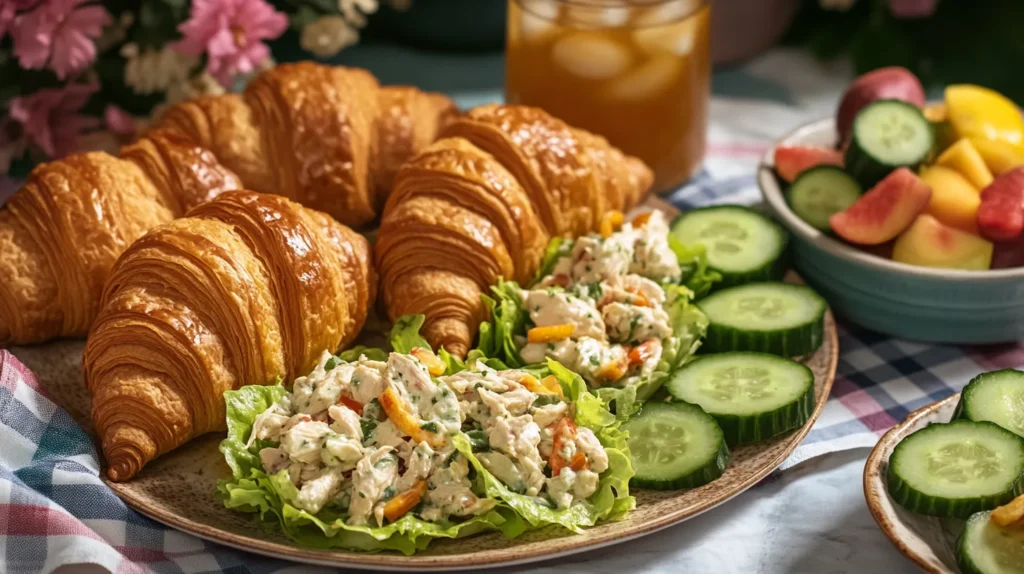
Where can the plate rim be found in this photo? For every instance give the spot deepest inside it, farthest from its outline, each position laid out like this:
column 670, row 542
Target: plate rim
column 466, row 561
column 874, row 484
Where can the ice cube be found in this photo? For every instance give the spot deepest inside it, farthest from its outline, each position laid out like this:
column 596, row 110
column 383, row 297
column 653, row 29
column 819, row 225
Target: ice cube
column 537, row 18
column 649, row 80
column 594, row 17
column 675, row 39
column 591, row 55
column 664, row 13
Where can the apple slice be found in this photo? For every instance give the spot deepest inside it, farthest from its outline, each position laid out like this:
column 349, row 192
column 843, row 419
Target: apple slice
column 1001, row 213
column 884, row 211
column 892, row 83
column 930, row 243
column 791, row 161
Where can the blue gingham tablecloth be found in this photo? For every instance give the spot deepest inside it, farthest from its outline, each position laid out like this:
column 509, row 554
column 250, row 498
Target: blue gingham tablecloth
column 54, row 511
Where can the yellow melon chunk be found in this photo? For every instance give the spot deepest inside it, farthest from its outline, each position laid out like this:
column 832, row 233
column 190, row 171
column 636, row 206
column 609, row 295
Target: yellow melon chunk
column 962, row 157
column 954, row 200
column 1000, row 157
column 929, row 243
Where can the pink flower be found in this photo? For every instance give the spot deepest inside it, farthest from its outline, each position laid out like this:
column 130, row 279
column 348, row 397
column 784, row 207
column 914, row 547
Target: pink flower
column 118, row 121
column 231, row 34
column 61, row 33
column 912, row 8
column 8, row 9
column 50, row 117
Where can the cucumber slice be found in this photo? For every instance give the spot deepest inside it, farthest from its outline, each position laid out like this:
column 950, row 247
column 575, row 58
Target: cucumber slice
column 753, row 396
column 956, row 469
column 987, row 548
column 821, row 192
column 675, row 445
column 777, row 318
column 743, row 245
column 997, row 397
column 887, row 134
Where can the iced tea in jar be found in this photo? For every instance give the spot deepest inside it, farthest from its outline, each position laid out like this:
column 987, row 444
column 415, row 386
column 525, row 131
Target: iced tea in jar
column 634, row 71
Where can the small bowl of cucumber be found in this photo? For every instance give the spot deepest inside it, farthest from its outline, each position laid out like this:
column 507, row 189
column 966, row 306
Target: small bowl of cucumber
column 907, row 216
column 945, row 485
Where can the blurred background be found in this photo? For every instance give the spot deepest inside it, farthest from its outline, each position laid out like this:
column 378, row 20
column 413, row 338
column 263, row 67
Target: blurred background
column 82, row 75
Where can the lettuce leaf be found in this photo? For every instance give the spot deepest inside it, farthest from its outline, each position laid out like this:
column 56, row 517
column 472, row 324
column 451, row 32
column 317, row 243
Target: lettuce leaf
column 557, row 247
column 508, row 318
column 269, row 497
column 405, row 334
column 693, row 262
column 689, row 325
column 611, row 501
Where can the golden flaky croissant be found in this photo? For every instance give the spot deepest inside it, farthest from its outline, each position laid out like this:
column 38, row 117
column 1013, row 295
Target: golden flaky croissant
column 62, row 231
column 482, row 203
column 244, row 290
column 328, row 137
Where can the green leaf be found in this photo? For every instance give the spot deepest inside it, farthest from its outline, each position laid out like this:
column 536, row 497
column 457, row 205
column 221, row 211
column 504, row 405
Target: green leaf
column 405, row 334
column 243, row 406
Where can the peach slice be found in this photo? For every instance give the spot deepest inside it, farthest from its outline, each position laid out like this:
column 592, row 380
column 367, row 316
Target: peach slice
column 884, row 211
column 954, row 200
column 963, row 157
column 791, row 161
column 929, row 243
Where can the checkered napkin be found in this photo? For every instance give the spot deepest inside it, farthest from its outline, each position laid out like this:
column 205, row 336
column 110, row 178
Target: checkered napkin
column 54, row 510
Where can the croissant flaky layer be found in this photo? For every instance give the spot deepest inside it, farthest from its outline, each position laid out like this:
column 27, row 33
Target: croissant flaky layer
column 482, row 203
column 247, row 289
column 328, row 137
column 62, row 231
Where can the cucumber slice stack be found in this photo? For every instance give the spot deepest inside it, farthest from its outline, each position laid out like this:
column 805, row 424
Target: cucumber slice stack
column 820, row 193
column 753, row 396
column 887, row 134
column 777, row 318
column 997, row 397
column 955, row 469
column 741, row 244
column 987, row 548
column 675, row 445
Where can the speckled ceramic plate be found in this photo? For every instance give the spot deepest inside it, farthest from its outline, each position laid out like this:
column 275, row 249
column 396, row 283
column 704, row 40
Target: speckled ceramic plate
column 929, row 541
column 177, row 489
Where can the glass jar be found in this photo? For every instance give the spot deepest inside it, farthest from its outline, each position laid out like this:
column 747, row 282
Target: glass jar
column 634, row 71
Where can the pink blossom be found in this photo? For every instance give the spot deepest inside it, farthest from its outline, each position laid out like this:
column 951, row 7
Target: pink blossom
column 8, row 9
column 231, row 34
column 60, row 32
column 50, row 117
column 912, row 8
column 118, row 121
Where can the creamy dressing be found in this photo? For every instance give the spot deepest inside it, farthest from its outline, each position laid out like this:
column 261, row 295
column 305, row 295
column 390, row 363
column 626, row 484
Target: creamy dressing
column 343, row 448
column 610, row 291
column 519, row 427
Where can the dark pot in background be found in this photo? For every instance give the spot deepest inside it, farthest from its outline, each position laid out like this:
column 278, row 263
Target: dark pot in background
column 742, row 29
column 459, row 25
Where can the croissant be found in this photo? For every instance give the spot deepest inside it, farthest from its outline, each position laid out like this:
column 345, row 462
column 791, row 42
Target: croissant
column 328, row 137
column 62, row 231
column 482, row 203
column 246, row 289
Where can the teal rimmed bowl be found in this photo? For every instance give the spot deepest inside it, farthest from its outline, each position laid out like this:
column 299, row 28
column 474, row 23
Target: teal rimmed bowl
column 905, row 301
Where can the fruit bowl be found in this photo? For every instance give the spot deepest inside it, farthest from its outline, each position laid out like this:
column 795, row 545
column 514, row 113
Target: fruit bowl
column 910, row 302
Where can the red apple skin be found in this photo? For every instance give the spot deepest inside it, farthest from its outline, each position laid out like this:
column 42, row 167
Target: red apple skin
column 885, row 211
column 1001, row 213
column 892, row 83
column 791, row 161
